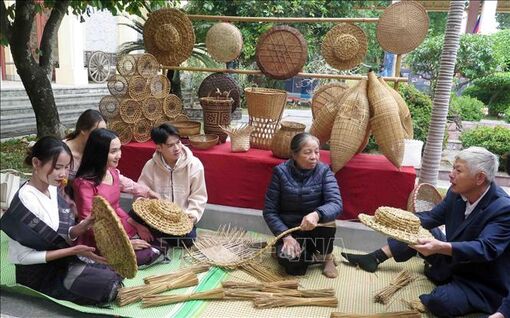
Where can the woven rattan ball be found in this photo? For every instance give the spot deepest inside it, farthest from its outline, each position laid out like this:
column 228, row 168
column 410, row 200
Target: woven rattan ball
column 118, row 85
column 130, row 111
column 126, row 65
column 147, row 65
column 152, row 108
column 159, row 86
column 224, row 42
column 172, row 105
column 109, row 107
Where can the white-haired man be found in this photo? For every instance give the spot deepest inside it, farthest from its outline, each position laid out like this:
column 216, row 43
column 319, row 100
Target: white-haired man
column 470, row 263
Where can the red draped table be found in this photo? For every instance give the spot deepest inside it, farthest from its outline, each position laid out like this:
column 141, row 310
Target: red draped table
column 241, row 179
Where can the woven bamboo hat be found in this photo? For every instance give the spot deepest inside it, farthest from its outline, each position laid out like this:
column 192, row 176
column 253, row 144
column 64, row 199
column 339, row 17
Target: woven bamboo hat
column 168, row 35
column 224, row 42
column 344, row 46
column 402, row 27
column 112, row 240
column 396, row 223
column 164, row 216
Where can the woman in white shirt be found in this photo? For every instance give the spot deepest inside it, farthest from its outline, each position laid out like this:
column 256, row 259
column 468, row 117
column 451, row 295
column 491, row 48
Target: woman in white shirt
column 41, row 228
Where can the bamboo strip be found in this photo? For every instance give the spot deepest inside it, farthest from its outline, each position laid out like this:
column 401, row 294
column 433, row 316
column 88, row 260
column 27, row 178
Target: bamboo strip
column 159, row 300
column 401, row 280
column 261, row 272
column 257, row 72
column 278, row 301
column 398, row 65
column 197, row 269
column 291, row 284
column 198, row 17
column 305, row 293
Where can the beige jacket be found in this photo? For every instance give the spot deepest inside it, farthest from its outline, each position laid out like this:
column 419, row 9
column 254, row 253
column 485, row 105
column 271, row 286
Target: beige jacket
column 184, row 184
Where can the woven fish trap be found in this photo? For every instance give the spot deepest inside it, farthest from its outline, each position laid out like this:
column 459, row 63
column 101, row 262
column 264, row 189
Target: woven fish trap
column 424, row 197
column 130, row 111
column 280, row 145
column 137, row 87
column 326, row 93
column 117, row 85
column 239, row 137
column 109, row 106
column 142, row 130
column 403, row 111
column 152, row 108
column 123, row 130
column 126, row 64
column 112, row 240
column 385, row 123
column 172, row 105
column 165, row 216
column 224, row 42
column 216, row 113
column 222, row 82
column 350, row 126
column 159, row 86
column 147, row 65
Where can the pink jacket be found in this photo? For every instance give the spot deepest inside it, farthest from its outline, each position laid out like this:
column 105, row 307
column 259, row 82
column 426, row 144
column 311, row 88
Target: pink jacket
column 85, row 190
column 184, row 184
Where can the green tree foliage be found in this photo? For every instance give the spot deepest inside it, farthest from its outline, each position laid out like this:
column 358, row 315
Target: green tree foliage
column 495, row 139
column 504, row 20
column 502, row 49
column 468, row 108
column 493, row 91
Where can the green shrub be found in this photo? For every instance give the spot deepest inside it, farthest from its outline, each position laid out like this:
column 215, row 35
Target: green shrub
column 493, row 91
column 507, row 115
column 495, row 139
column 468, row 108
column 500, row 47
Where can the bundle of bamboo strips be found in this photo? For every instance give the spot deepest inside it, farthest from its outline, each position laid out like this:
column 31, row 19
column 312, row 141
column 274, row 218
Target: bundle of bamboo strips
column 398, row 314
column 197, row 269
column 293, row 284
column 159, row 300
column 283, row 301
column 305, row 293
column 261, row 272
column 128, row 295
column 415, row 304
column 244, row 294
column 401, row 280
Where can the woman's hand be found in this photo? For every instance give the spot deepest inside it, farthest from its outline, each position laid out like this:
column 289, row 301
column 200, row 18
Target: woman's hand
column 153, row 195
column 139, row 244
column 291, row 247
column 310, row 221
column 144, row 233
column 88, row 251
column 82, row 227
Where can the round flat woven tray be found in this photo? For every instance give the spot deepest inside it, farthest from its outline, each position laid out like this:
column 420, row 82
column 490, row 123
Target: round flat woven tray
column 152, row 108
column 126, row 65
column 172, row 105
column 163, row 215
column 402, row 27
column 123, row 130
column 112, row 240
column 130, row 111
column 147, row 65
column 109, row 107
column 142, row 130
column 326, row 93
column 281, row 52
column 118, row 85
column 224, row 42
column 138, row 88
column 223, row 82
column 159, row 86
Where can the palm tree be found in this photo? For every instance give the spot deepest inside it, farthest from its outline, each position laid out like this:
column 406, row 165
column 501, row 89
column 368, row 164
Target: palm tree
column 434, row 146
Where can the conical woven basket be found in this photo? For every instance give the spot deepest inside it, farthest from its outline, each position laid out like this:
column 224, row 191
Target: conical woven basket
column 385, row 123
column 403, row 111
column 239, row 137
column 424, row 197
column 350, row 126
column 326, row 93
column 265, row 108
column 280, row 145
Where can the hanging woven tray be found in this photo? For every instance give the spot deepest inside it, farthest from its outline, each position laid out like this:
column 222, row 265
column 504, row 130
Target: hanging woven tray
column 109, row 107
column 126, row 65
column 172, row 105
column 118, row 85
column 142, row 130
column 152, row 108
column 130, row 111
column 159, row 86
column 138, row 87
column 281, row 52
column 224, row 83
column 123, row 130
column 325, row 94
column 147, row 65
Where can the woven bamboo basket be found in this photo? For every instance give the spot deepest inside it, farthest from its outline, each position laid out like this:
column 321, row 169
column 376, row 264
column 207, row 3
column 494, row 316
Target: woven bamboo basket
column 239, row 137
column 403, row 111
column 118, row 85
column 222, row 82
column 424, row 197
column 142, row 130
column 123, row 130
column 130, row 111
column 326, row 93
column 385, row 123
column 280, row 145
column 350, row 126
column 152, row 108
column 126, row 64
column 159, row 86
column 172, row 105
column 109, row 107
column 147, row 65
column 204, row 141
column 187, row 128
column 265, row 109
column 217, row 112
column 138, row 88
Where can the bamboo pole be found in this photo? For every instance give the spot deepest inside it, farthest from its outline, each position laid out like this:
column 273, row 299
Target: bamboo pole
column 398, row 65
column 198, row 17
column 259, row 73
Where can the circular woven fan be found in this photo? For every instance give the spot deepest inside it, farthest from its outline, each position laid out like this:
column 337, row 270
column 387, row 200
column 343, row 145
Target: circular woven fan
column 402, row 27
column 224, row 42
column 142, row 130
column 159, row 86
column 118, row 85
column 109, row 107
column 112, row 240
column 123, row 130
column 224, row 83
column 152, row 108
column 172, row 105
column 325, row 94
column 281, row 52
column 164, row 216
column 126, row 65
column 147, row 65
column 130, row 111
column 344, row 46
column 138, row 87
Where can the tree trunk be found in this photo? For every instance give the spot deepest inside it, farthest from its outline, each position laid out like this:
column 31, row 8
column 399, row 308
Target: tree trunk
column 434, row 146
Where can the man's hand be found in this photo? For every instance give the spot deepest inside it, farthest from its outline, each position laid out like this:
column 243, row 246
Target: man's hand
column 291, row 247
column 310, row 221
column 430, row 246
column 192, row 218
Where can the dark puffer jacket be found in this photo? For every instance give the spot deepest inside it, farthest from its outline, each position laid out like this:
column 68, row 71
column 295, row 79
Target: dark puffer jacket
column 293, row 193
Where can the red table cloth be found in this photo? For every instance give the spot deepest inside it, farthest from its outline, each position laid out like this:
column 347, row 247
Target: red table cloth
column 241, row 179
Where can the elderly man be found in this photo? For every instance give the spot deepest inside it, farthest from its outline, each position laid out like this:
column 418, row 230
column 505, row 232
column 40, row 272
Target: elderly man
column 470, row 263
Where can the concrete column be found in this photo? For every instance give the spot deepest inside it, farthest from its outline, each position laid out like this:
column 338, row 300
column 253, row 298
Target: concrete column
column 488, row 24
column 71, row 39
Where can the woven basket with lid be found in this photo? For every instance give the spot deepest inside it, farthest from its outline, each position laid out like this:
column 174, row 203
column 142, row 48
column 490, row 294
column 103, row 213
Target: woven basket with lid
column 217, row 110
column 222, row 82
column 280, row 145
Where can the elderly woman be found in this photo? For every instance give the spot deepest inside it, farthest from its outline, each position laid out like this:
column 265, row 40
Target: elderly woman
column 303, row 192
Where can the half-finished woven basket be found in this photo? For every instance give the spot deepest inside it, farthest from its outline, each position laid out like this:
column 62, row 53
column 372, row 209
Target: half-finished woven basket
column 424, row 197
column 165, row 216
column 112, row 240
